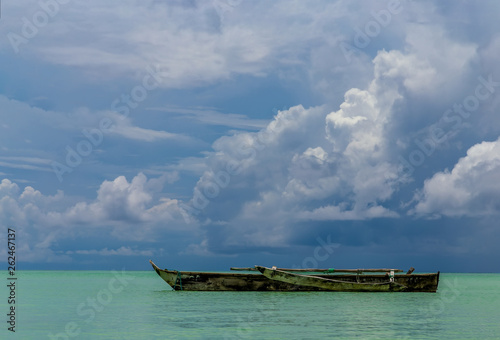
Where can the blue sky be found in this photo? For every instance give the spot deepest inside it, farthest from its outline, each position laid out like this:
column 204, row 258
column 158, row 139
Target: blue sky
column 209, row 134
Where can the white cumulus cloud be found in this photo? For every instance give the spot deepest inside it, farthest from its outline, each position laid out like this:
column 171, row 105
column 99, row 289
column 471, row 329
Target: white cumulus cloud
column 471, row 188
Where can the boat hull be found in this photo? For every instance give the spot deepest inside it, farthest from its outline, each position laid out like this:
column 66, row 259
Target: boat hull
column 206, row 281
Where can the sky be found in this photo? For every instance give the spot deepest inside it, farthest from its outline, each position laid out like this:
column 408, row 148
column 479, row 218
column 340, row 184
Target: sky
column 218, row 133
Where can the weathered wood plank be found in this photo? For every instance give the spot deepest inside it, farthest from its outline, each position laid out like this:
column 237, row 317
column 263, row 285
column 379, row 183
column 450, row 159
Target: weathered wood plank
column 329, row 270
column 330, row 284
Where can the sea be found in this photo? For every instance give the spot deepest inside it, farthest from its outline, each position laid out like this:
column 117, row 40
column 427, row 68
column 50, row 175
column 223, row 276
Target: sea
column 139, row 305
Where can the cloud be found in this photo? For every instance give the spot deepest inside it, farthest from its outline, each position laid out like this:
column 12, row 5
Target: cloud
column 315, row 164
column 200, row 52
column 123, row 201
column 328, row 161
column 75, row 139
column 471, row 188
column 134, row 211
column 123, row 127
column 122, row 251
column 212, row 117
column 435, row 57
column 202, row 249
column 7, row 188
column 221, row 40
column 27, row 163
column 49, row 130
column 339, row 213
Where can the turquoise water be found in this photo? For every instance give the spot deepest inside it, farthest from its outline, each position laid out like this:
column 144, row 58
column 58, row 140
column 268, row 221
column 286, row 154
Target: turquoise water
column 139, row 305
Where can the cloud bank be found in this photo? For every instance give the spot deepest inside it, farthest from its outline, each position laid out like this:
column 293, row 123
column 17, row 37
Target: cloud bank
column 369, row 148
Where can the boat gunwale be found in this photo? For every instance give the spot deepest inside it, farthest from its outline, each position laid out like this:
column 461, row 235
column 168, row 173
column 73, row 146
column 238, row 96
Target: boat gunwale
column 257, row 273
column 242, row 273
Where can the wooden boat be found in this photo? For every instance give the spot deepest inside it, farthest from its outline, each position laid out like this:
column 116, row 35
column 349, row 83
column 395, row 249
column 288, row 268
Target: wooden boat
column 278, row 279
